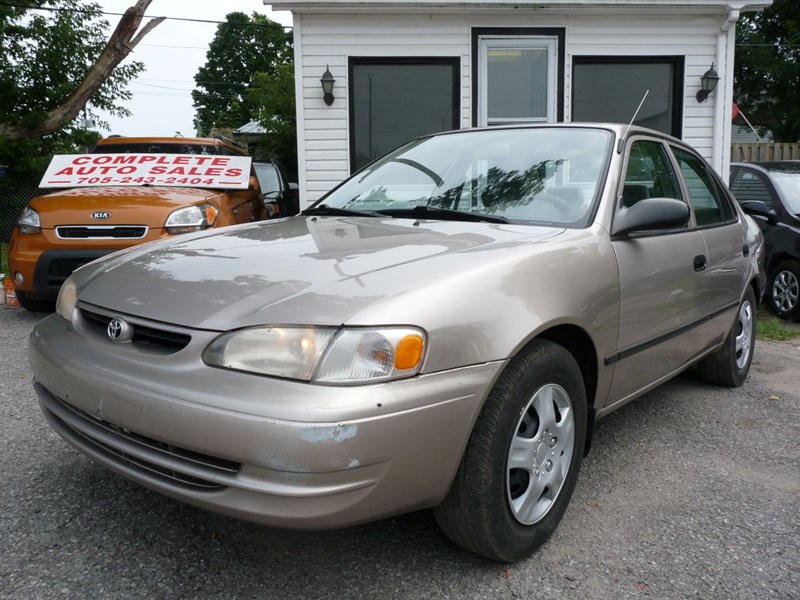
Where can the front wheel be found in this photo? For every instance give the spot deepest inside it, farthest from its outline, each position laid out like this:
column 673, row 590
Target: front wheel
column 730, row 364
column 522, row 459
column 783, row 290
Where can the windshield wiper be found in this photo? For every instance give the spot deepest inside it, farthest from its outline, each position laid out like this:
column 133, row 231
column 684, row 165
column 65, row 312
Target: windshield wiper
column 445, row 214
column 333, row 211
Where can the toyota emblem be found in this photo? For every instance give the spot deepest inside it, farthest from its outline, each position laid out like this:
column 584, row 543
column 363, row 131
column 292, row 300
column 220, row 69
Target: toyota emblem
column 119, row 331
column 101, row 215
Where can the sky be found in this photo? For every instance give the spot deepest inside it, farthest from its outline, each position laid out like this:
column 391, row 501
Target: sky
column 172, row 52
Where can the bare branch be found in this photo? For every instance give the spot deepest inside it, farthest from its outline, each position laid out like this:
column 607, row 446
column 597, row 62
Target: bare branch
column 120, row 45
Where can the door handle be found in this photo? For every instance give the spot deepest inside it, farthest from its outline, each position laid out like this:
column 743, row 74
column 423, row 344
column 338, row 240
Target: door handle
column 700, row 263
column 745, row 250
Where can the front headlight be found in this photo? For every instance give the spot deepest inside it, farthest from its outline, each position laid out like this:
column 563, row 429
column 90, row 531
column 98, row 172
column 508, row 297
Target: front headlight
column 67, row 298
column 322, row 354
column 372, row 355
column 192, row 218
column 281, row 351
column 29, row 222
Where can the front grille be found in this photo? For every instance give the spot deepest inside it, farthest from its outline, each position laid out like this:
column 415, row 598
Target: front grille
column 103, row 232
column 162, row 340
column 178, row 466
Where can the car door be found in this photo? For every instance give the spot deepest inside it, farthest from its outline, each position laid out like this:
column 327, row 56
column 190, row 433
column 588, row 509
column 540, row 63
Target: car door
column 661, row 278
column 725, row 275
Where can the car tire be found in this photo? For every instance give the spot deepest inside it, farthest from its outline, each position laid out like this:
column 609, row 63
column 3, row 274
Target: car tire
column 535, row 416
column 730, row 364
column 783, row 290
column 34, row 304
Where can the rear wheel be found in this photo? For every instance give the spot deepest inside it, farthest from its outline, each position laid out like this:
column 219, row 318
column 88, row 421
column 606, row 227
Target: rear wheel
column 730, row 364
column 522, row 460
column 34, row 304
column 783, row 290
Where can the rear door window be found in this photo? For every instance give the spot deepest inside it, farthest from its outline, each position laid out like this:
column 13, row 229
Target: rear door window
column 711, row 206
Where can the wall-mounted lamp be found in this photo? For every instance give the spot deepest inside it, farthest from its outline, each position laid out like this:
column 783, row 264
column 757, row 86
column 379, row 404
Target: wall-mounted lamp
column 707, row 84
column 327, row 82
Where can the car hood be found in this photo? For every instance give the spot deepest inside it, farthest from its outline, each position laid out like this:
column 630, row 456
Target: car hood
column 126, row 205
column 313, row 270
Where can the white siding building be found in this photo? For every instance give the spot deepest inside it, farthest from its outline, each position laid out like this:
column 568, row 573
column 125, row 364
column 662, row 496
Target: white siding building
column 408, row 68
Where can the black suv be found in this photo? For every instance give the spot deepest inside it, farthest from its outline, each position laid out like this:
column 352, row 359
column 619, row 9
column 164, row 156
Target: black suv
column 771, row 192
column 276, row 189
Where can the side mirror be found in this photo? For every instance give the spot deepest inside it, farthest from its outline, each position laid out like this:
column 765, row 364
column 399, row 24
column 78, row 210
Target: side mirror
column 757, row 208
column 650, row 214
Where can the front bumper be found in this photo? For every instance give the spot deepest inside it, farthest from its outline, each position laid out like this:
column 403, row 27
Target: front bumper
column 45, row 261
column 273, row 451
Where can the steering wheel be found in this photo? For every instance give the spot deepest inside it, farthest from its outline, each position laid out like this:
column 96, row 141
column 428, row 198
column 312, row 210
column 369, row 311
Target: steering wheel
column 564, row 208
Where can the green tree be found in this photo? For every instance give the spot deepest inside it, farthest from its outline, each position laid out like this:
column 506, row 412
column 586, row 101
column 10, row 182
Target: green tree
column 55, row 61
column 273, row 104
column 767, row 69
column 243, row 47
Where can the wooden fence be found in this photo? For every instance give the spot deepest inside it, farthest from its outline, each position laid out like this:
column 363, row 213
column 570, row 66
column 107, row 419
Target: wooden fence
column 755, row 152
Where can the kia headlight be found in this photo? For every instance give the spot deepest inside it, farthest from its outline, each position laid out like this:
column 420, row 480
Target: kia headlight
column 192, row 218
column 67, row 298
column 322, row 354
column 29, row 222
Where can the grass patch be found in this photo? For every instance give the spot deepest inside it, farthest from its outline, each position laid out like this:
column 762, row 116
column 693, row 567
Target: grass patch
column 770, row 327
column 3, row 258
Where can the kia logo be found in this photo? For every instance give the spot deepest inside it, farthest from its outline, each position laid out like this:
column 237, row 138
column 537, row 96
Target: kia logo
column 101, row 215
column 119, row 331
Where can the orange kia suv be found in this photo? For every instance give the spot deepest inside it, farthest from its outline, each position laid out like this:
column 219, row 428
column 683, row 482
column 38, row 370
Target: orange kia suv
column 109, row 202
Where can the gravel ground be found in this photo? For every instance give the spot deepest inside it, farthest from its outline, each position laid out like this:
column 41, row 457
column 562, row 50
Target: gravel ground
column 690, row 492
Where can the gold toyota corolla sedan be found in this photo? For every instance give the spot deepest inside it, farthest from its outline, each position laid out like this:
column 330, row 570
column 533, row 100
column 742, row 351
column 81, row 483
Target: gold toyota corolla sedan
column 441, row 330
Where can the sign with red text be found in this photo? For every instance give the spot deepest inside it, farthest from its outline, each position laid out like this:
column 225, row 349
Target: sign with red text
column 181, row 170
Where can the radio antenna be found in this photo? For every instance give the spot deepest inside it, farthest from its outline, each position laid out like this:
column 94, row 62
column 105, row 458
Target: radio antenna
column 622, row 139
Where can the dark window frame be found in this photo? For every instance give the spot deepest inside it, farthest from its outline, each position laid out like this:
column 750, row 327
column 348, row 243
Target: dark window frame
column 560, row 33
column 678, row 63
column 354, row 61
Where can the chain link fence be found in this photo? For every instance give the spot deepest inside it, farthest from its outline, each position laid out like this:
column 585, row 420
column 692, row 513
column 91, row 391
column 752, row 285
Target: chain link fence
column 15, row 193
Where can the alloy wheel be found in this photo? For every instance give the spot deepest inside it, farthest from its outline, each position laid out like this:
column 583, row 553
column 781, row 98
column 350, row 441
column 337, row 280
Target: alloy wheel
column 785, row 288
column 540, row 454
column 744, row 333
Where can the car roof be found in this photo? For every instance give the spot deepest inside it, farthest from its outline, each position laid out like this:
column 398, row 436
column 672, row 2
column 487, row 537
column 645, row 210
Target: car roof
column 779, row 166
column 110, row 141
column 619, row 129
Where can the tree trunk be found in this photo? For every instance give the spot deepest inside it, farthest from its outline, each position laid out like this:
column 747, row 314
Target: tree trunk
column 120, row 44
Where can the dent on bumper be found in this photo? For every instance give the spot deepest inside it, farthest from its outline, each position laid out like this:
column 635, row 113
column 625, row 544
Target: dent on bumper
column 387, row 449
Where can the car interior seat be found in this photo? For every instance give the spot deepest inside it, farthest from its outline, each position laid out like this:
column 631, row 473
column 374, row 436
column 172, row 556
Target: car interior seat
column 633, row 192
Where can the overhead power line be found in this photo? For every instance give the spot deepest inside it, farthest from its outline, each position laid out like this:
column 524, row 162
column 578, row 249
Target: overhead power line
column 118, row 14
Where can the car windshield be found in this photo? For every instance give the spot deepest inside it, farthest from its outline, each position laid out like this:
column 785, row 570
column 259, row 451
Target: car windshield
column 789, row 185
column 547, row 175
